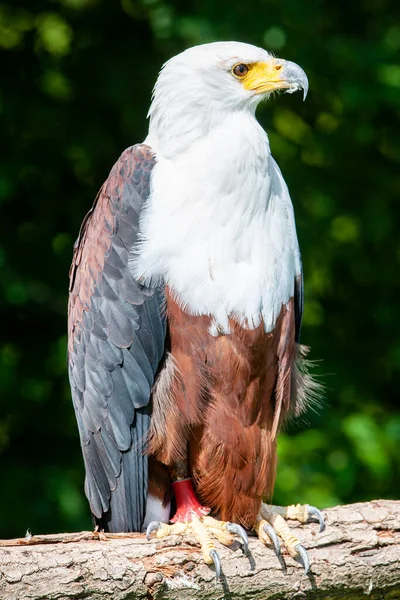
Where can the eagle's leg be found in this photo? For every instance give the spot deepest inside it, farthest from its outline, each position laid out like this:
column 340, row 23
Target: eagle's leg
column 271, row 523
column 187, row 503
column 191, row 517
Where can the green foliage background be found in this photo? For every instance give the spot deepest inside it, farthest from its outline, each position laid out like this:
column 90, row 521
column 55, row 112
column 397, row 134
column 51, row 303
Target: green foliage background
column 75, row 85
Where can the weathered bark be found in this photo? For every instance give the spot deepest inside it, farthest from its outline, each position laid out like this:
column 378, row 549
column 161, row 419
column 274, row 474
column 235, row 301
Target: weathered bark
column 358, row 556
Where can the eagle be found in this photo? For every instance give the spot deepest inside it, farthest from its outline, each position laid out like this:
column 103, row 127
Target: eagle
column 185, row 307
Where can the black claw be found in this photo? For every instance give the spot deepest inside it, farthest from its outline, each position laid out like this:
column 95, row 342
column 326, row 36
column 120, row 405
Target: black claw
column 153, row 526
column 217, row 564
column 302, row 552
column 314, row 512
column 238, row 530
column 270, row 531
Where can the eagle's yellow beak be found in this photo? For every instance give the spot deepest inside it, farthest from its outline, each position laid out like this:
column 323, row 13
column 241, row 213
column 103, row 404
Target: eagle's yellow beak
column 276, row 74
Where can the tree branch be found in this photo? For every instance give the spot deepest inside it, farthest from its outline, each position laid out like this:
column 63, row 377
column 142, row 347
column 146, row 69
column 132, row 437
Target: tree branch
column 358, row 556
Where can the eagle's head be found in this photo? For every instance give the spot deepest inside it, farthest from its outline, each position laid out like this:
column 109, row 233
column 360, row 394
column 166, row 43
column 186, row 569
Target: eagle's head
column 198, row 87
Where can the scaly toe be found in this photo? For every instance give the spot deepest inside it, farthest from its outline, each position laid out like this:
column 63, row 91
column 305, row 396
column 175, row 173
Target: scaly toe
column 298, row 512
column 164, row 529
column 224, row 531
column 203, row 538
column 267, row 534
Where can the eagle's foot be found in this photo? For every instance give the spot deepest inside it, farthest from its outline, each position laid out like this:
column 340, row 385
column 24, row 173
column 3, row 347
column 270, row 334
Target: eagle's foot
column 204, row 530
column 271, row 523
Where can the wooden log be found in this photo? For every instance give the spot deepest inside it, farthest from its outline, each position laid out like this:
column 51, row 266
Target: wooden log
column 356, row 557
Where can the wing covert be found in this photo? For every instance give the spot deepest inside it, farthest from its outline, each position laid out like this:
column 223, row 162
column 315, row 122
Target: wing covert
column 298, row 302
column 116, row 341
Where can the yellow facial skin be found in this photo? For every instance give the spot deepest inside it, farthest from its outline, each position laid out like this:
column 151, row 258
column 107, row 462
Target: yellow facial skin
column 264, row 76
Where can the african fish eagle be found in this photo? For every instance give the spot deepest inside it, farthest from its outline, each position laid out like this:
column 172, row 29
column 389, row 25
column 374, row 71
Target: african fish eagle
column 186, row 299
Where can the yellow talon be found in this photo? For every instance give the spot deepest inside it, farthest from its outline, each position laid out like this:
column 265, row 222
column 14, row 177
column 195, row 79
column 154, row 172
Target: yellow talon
column 219, row 530
column 267, row 534
column 163, row 530
column 271, row 521
column 284, row 532
column 259, row 529
column 201, row 535
column 203, row 529
column 297, row 512
column 176, row 529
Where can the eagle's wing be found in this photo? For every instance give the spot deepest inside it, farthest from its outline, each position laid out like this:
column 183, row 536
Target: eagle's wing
column 116, row 343
column 298, row 302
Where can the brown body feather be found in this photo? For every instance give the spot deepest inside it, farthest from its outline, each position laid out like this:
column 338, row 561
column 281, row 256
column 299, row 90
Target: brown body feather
column 224, row 397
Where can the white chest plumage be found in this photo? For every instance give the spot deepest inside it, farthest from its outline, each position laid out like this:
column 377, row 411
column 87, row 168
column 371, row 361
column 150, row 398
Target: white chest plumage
column 219, row 228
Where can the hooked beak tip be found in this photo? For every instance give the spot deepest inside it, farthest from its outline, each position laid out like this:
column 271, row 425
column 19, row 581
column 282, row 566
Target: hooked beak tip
column 296, row 78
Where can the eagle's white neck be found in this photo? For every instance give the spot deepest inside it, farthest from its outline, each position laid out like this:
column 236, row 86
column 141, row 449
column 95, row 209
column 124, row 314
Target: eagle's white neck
column 175, row 128
column 218, row 227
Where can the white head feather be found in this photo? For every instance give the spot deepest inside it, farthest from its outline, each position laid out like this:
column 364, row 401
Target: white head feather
column 196, row 89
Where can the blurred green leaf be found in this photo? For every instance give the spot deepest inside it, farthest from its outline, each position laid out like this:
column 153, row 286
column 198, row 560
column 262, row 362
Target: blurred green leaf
column 366, row 437
column 17, row 293
column 13, row 25
column 54, row 33
column 274, row 38
column 345, row 229
column 55, row 84
column 390, row 74
column 290, row 125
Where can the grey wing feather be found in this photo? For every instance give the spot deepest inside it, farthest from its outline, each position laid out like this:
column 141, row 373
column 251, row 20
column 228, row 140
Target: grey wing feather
column 298, row 302
column 117, row 334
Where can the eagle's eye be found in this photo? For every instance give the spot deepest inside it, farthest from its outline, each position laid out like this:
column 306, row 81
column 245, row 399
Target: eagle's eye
column 240, row 70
